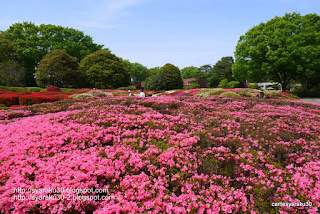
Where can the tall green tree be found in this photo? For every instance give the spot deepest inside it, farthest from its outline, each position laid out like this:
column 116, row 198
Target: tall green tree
column 59, row 69
column 190, row 72
column 154, row 71
column 7, row 51
column 205, row 68
column 284, row 49
column 11, row 72
column 221, row 70
column 33, row 42
column 102, row 69
column 172, row 76
column 138, row 72
column 155, row 82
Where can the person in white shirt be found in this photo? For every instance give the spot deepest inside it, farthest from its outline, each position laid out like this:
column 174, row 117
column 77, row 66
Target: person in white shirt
column 142, row 94
column 129, row 92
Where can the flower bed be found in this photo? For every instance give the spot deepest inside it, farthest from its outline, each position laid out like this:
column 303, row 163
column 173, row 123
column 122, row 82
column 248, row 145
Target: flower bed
column 229, row 92
column 9, row 98
column 162, row 154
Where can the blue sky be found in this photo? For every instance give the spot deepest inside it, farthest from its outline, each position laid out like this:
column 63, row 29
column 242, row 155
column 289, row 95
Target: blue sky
column 156, row 32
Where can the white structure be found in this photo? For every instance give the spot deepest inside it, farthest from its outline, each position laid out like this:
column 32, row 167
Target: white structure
column 268, row 85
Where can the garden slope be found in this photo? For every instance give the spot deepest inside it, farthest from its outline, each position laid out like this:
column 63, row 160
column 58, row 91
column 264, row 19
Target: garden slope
column 164, row 154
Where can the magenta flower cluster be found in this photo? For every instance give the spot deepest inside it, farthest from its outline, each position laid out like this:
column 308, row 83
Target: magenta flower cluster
column 163, row 154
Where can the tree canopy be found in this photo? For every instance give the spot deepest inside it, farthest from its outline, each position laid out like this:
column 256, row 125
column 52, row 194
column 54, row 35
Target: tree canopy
column 138, row 72
column 59, row 69
column 221, row 70
column 102, row 69
column 284, row 49
column 154, row 71
column 205, row 68
column 11, row 72
column 7, row 51
column 155, row 82
column 33, row 42
column 172, row 77
column 190, row 72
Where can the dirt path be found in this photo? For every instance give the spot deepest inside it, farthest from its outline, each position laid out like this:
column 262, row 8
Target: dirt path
column 310, row 100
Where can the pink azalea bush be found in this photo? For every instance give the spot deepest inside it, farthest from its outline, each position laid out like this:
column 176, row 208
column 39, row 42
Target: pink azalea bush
column 181, row 154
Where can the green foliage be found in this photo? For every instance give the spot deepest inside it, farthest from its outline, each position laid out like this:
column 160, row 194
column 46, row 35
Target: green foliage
column 33, row 42
column 14, row 89
column 102, row 69
column 284, row 49
column 67, row 89
column 245, row 93
column 254, row 85
column 230, row 94
column 59, row 69
column 11, row 73
column 209, row 92
column 154, row 71
column 233, row 84
column 138, row 72
column 221, row 70
column 155, row 82
column 224, row 84
column 193, row 86
column 130, row 87
column 80, row 96
column 205, row 68
column 172, row 77
column 190, row 72
column 7, row 51
column 312, row 92
column 34, row 89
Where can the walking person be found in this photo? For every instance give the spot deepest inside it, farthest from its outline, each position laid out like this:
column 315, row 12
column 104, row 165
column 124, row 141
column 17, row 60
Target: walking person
column 142, row 94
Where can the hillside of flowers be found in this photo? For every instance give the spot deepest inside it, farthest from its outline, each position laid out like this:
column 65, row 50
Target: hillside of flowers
column 22, row 97
column 230, row 92
column 166, row 154
column 14, row 99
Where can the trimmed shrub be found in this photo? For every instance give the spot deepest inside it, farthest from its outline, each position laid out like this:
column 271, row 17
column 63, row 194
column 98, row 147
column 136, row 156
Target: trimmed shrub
column 230, row 94
column 155, row 82
column 40, row 97
column 9, row 99
column 102, row 69
column 58, row 68
column 210, row 92
column 224, row 84
column 233, row 84
column 80, row 96
column 68, row 89
column 172, row 77
column 245, row 93
column 97, row 93
column 193, row 86
column 34, row 89
column 130, row 87
column 53, row 89
column 254, row 86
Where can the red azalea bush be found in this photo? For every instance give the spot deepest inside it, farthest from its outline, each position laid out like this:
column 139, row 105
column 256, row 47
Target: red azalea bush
column 9, row 98
column 16, row 106
column 41, row 97
column 162, row 155
column 53, row 89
